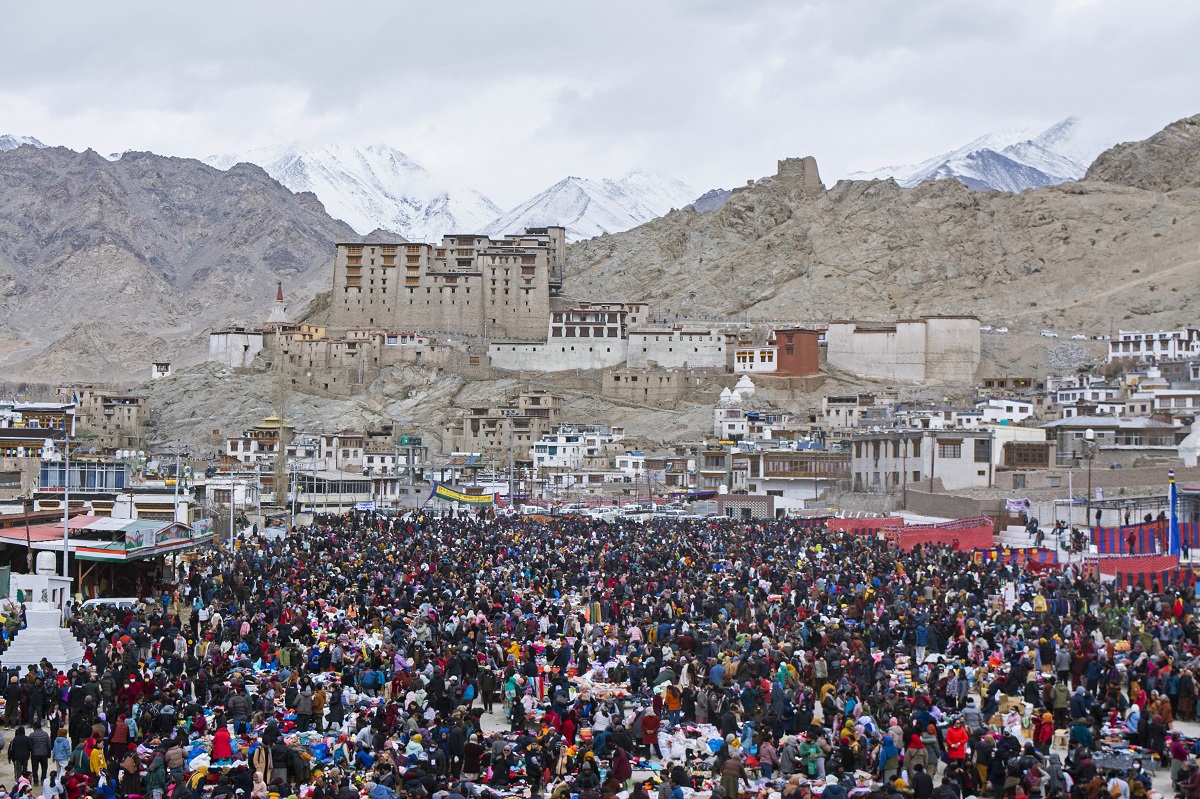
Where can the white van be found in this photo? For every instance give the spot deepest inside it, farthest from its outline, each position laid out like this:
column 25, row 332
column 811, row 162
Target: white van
column 120, row 603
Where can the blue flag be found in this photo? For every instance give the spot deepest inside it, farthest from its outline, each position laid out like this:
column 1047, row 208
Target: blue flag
column 1174, row 497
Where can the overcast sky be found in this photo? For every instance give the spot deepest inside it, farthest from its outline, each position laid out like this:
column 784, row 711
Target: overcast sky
column 510, row 97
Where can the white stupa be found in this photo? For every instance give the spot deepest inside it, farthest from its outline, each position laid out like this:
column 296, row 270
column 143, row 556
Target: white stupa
column 745, row 386
column 278, row 310
column 725, row 395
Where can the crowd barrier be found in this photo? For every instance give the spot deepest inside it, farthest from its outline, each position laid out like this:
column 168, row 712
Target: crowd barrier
column 1134, row 564
column 1144, row 538
column 1158, row 582
column 976, row 533
column 871, row 526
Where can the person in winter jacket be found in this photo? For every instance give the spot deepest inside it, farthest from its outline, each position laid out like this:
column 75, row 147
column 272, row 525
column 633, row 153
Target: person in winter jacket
column 156, row 779
column 916, row 753
column 788, row 753
column 956, row 741
column 39, row 752
column 221, row 746
column 18, row 751
column 61, row 750
column 768, row 758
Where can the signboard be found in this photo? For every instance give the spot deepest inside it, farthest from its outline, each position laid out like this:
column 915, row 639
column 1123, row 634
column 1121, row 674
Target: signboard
column 450, row 495
column 364, row 506
column 202, row 527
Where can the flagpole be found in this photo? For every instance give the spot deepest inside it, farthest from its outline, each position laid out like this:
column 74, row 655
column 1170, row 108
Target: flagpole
column 1174, row 498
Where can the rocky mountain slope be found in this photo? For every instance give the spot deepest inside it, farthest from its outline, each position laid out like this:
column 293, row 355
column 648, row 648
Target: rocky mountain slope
column 1121, row 246
column 1168, row 160
column 589, row 208
column 1006, row 161
column 106, row 265
column 373, row 187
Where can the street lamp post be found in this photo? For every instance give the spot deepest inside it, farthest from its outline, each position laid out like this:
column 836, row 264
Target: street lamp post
column 1089, row 449
column 50, row 453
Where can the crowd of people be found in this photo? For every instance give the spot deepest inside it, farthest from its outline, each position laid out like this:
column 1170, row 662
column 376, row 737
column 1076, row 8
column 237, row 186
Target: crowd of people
column 459, row 657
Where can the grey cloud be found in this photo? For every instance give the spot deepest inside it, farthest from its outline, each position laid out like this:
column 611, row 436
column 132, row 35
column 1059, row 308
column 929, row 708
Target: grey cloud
column 510, row 96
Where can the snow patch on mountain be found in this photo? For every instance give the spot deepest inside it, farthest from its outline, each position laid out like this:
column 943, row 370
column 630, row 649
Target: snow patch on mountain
column 1006, row 160
column 588, row 208
column 8, row 142
column 371, row 187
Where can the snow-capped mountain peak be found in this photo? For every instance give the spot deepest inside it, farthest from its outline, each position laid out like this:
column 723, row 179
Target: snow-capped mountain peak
column 1006, row 160
column 9, row 142
column 588, row 208
column 373, row 186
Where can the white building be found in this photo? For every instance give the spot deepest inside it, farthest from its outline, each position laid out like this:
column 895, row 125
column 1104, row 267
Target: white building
column 1088, row 393
column 755, row 359
column 1177, row 401
column 558, row 451
column 1012, row 411
column 677, row 348
column 632, row 464
column 1137, row 345
column 798, row 475
column 568, row 449
column 892, row 461
column 845, row 411
column 235, row 347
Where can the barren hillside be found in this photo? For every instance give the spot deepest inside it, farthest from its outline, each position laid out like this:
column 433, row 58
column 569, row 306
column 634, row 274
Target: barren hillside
column 1121, row 246
column 106, row 265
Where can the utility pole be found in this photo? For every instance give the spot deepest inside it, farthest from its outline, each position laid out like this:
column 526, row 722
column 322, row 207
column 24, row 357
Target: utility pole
column 258, row 493
column 932, row 460
column 28, row 543
column 232, row 504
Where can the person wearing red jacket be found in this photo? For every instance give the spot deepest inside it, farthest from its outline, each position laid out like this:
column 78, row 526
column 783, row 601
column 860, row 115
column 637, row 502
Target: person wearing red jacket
column 956, row 741
column 650, row 724
column 1043, row 733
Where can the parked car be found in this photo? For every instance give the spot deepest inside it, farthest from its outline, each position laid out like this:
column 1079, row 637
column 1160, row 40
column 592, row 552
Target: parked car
column 1101, row 338
column 1078, row 337
column 1049, row 334
column 985, row 328
column 120, row 603
column 1002, row 330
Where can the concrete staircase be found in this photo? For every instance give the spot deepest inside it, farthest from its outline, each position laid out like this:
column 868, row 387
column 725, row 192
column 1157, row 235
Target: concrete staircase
column 43, row 638
column 1016, row 536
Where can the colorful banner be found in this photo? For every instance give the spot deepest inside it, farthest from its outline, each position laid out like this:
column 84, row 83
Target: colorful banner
column 451, row 495
column 1019, row 555
column 1016, row 505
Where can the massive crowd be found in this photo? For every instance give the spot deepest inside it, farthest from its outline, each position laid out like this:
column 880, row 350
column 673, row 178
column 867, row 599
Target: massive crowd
column 437, row 657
